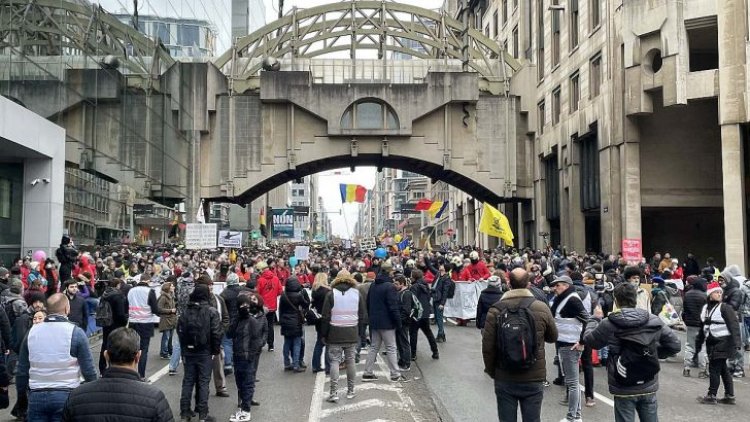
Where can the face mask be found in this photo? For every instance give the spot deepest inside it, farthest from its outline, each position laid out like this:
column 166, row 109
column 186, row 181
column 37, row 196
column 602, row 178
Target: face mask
column 244, row 311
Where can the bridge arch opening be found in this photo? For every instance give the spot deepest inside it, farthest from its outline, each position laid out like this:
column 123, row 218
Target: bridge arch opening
column 370, row 113
column 433, row 171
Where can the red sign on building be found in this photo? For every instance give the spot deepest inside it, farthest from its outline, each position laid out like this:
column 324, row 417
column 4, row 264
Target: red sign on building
column 632, row 250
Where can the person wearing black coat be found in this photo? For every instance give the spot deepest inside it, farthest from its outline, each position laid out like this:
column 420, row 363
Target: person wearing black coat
column 695, row 300
column 721, row 333
column 421, row 292
column 319, row 293
column 79, row 310
column 67, row 255
column 118, row 302
column 439, row 296
column 248, row 332
column 406, row 301
column 488, row 297
column 292, row 307
column 119, row 394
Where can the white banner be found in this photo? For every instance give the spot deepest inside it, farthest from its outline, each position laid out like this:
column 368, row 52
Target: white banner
column 200, row 236
column 367, row 244
column 230, row 239
column 464, row 302
column 302, row 252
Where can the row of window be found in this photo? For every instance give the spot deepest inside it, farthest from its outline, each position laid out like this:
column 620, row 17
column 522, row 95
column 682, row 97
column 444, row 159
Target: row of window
column 574, row 94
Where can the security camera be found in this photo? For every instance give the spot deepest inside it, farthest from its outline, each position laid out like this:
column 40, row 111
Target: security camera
column 46, row 180
column 34, row 182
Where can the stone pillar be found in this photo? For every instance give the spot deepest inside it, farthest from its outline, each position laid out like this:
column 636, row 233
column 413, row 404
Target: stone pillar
column 611, row 222
column 630, row 200
column 734, row 195
column 43, row 203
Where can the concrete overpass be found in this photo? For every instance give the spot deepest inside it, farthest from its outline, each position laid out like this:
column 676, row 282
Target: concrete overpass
column 276, row 107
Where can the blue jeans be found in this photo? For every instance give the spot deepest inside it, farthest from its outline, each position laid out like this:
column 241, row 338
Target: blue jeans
column 317, row 352
column 46, row 406
column 569, row 364
column 197, row 378
column 292, row 347
column 166, row 342
column 645, row 406
column 439, row 321
column 174, row 361
column 244, row 374
column 510, row 395
column 227, row 344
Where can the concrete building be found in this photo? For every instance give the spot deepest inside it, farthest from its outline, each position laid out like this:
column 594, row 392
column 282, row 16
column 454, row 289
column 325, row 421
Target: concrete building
column 247, row 16
column 32, row 180
column 182, row 37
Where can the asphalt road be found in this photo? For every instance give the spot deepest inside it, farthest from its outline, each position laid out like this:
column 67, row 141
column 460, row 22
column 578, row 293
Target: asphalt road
column 453, row 388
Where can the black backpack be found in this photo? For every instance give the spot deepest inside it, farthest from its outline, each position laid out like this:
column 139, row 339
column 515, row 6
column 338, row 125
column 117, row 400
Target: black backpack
column 193, row 327
column 451, row 287
column 516, row 337
column 637, row 363
column 13, row 312
column 104, row 313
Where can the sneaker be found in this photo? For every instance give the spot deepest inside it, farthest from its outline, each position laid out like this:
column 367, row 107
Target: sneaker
column 228, row 371
column 369, row 378
column 404, row 368
column 728, row 400
column 333, row 398
column 172, row 372
column 254, row 403
column 686, row 372
column 270, row 349
column 739, row 374
column 400, row 378
column 300, row 369
column 222, row 393
column 235, row 416
column 558, row 381
column 707, row 399
column 165, row 357
column 436, row 355
column 590, row 402
column 351, row 394
column 703, row 374
column 288, row 368
column 243, row 416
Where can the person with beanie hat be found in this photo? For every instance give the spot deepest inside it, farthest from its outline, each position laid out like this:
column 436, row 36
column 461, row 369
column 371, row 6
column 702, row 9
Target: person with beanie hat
column 695, row 300
column 720, row 330
column 489, row 297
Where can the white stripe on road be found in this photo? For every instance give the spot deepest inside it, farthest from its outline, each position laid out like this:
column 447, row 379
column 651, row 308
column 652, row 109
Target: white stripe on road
column 160, row 373
column 452, row 321
column 599, row 397
column 317, row 397
column 365, row 404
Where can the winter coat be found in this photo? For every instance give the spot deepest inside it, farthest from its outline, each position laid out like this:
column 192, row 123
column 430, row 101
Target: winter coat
column 213, row 347
column 167, row 317
column 118, row 396
column 488, row 297
column 721, row 347
column 733, row 295
column 79, row 312
column 248, row 334
column 6, row 340
column 382, row 304
column 269, row 288
column 119, row 304
column 745, row 308
column 342, row 335
column 230, row 295
column 692, row 306
column 634, row 324
column 440, row 290
column 292, row 306
column 474, row 272
column 21, row 327
column 660, row 297
column 422, row 293
column 406, row 303
column 217, row 302
column 572, row 309
column 546, row 331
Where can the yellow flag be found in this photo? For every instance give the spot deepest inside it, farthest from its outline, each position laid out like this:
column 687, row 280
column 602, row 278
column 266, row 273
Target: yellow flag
column 494, row 223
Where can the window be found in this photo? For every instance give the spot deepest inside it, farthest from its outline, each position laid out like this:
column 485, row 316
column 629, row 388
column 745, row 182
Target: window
column 541, row 116
column 189, row 35
column 515, row 42
column 555, row 35
column 575, row 91
column 4, row 198
column 505, row 11
column 556, row 106
column 573, row 28
column 540, row 39
column 487, row 30
column 595, row 18
column 161, row 32
column 496, row 24
column 703, row 43
column 595, row 76
column 369, row 115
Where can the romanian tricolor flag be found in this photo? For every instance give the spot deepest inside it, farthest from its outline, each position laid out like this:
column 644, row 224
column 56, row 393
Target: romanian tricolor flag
column 437, row 208
column 352, row 193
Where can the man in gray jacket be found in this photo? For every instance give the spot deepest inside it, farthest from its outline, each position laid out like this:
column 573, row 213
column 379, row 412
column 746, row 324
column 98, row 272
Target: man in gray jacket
column 636, row 341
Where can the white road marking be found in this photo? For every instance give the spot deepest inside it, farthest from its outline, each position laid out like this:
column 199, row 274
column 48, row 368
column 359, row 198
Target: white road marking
column 317, row 397
column 599, row 397
column 452, row 321
column 365, row 404
column 160, row 373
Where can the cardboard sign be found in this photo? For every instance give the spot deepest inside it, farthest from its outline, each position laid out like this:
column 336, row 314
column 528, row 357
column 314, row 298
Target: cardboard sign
column 302, row 252
column 230, row 239
column 632, row 250
column 367, row 244
column 200, row 236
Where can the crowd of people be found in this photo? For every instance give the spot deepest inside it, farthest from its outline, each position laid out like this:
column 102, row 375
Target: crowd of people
column 216, row 312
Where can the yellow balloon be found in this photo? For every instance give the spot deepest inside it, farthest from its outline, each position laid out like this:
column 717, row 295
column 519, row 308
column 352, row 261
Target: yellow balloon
column 397, row 238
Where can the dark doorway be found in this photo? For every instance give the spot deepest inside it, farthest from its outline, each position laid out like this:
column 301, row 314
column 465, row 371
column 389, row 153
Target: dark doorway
column 593, row 233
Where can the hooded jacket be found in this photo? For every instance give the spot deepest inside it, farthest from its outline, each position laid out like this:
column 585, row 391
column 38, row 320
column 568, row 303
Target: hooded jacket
column 636, row 324
column 720, row 347
column 292, row 306
column 249, row 334
column 342, row 335
column 421, row 291
column 546, row 332
column 733, row 296
column 695, row 299
column 488, row 297
column 383, row 304
column 269, row 288
column 440, row 289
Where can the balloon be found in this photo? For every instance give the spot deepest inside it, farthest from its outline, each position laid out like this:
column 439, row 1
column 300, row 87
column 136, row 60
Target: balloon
column 397, row 238
column 39, row 256
column 293, row 261
column 380, row 253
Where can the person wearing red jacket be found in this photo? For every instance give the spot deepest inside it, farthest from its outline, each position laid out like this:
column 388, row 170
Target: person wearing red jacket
column 475, row 271
column 282, row 272
column 269, row 288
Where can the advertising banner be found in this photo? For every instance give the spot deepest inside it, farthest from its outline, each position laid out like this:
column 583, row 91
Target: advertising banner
column 282, row 223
